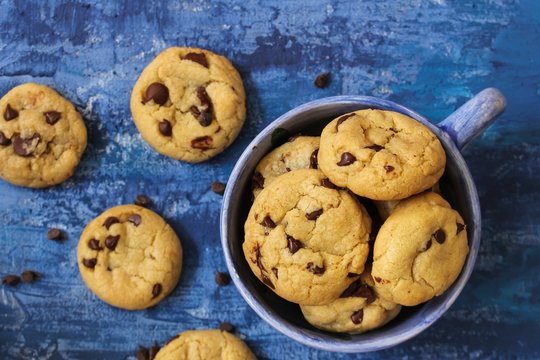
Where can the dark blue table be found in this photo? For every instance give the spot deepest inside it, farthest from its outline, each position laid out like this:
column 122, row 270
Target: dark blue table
column 429, row 55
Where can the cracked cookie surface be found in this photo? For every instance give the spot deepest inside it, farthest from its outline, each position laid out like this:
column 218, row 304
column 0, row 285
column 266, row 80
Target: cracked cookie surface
column 358, row 309
column 304, row 237
column 42, row 136
column 205, row 345
column 189, row 104
column 299, row 152
column 381, row 155
column 419, row 250
column 129, row 257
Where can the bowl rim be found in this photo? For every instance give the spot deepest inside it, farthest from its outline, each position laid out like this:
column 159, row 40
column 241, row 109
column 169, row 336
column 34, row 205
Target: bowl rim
column 450, row 295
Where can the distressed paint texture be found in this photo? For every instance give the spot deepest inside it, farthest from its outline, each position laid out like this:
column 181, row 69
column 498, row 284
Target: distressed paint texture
column 429, row 55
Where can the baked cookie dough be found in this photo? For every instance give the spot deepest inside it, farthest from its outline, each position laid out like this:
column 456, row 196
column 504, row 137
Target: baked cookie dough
column 300, row 152
column 189, row 104
column 129, row 257
column 205, row 345
column 42, row 136
column 357, row 310
column 381, row 155
column 419, row 250
column 305, row 239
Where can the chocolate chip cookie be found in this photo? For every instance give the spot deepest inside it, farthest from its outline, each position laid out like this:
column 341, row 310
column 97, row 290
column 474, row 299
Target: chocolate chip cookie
column 42, row 136
column 381, row 155
column 419, row 250
column 305, row 239
column 300, row 152
column 130, row 257
column 189, row 104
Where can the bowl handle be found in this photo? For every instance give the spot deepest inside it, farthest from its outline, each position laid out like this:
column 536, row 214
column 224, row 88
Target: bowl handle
column 473, row 117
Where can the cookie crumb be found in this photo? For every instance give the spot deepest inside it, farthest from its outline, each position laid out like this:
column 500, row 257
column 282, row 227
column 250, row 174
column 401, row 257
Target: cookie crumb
column 218, row 187
column 322, row 80
column 222, row 279
column 55, row 234
column 142, row 200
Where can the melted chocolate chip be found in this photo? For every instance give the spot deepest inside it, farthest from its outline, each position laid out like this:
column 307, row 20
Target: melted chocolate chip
column 156, row 290
column 375, row 147
column 94, row 245
column 30, row 276
column 142, row 200
column 10, row 113
column 322, row 80
column 157, row 92
column 267, row 281
column 11, row 280
column 204, row 117
column 460, row 228
column 357, row 289
column 313, row 161
column 4, row 140
column 342, row 119
column 218, row 187
column 258, row 256
column 203, row 97
column 52, row 117
column 202, row 143
column 258, row 180
column 54, row 234
column 25, row 147
column 357, row 316
column 225, row 326
column 222, row 279
column 388, row 168
column 346, row 159
column 314, row 215
column 317, row 270
column 328, row 184
column 268, row 222
column 427, row 246
column 111, row 241
column 275, row 271
column 165, row 127
column 293, row 244
column 199, row 58
column 439, row 236
column 110, row 221
column 135, row 219
column 90, row 263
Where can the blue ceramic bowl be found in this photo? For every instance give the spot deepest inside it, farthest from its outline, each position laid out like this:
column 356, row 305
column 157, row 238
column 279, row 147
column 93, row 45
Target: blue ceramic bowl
column 457, row 186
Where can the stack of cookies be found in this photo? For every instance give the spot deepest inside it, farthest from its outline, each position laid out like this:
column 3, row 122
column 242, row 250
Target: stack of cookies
column 309, row 238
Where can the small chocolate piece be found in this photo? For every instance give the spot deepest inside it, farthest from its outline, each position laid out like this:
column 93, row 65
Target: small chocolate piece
column 111, row 242
column 388, row 168
column 375, row 147
column 222, row 279
column 203, row 97
column 202, row 143
column 218, row 187
column 10, row 113
column 328, row 184
column 153, row 350
column 313, row 162
column 204, row 117
column 165, row 128
column 258, row 180
column 157, row 92
column 346, row 159
column 275, row 271
column 30, row 276
column 25, row 147
column 314, row 215
column 342, row 119
column 142, row 353
column 110, row 221
column 225, row 326
column 4, row 140
column 460, row 228
column 94, row 245
column 293, row 244
column 357, row 316
column 267, row 281
column 52, row 117
column 322, row 80
column 439, row 236
column 426, row 246
column 315, row 269
column 142, row 200
column 135, row 219
column 199, row 58
column 90, row 263
column 156, row 290
column 54, row 234
column 171, row 339
column 11, row 280
column 268, row 222
column 357, row 289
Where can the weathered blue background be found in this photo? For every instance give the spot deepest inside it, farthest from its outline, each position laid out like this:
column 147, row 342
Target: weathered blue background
column 428, row 55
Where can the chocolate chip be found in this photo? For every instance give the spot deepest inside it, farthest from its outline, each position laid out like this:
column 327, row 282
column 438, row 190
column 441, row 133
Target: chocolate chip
column 142, row 353
column 426, row 246
column 314, row 215
column 222, row 279
column 439, row 236
column 357, row 316
column 275, row 271
column 94, row 245
column 10, row 113
column 90, row 263
column 357, row 289
column 328, row 184
column 388, row 168
column 135, row 219
column 225, row 326
column 267, row 281
column 30, row 276
column 110, row 221
column 52, row 117
column 172, row 339
column 322, row 80
column 157, row 92
column 218, row 187
column 165, row 128
column 293, row 244
column 204, row 117
column 152, row 352
column 11, row 280
column 315, row 269
column 377, row 279
column 54, row 234
column 202, row 143
column 268, row 222
column 4, row 140
column 203, row 97
column 25, row 147
column 313, row 163
column 342, row 119
column 375, row 147
column 288, row 169
column 142, row 200
column 199, row 58
column 351, row 275
column 346, row 159
column 460, row 228
column 258, row 180
column 111, row 241
column 156, row 290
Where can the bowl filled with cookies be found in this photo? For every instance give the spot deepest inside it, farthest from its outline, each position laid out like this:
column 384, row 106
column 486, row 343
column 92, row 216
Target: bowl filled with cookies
column 352, row 223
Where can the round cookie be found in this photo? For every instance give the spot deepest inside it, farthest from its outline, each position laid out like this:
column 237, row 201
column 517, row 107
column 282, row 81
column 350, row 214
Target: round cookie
column 189, row 104
column 419, row 250
column 358, row 309
column 381, row 155
column 42, row 136
column 299, row 152
column 304, row 238
column 205, row 345
column 130, row 257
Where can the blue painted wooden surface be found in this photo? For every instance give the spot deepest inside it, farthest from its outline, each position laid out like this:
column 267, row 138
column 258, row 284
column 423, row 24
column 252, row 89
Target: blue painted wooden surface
column 429, row 55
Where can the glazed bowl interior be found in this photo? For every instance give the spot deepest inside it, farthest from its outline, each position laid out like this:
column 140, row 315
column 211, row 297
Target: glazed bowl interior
column 309, row 119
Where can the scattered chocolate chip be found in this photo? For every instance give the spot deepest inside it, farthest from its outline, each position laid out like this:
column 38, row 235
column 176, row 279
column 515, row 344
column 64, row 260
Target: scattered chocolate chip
column 275, row 271
column 314, row 215
column 267, row 281
column 153, row 350
column 52, row 117
column 203, row 97
column 94, row 245
column 142, row 200
column 317, row 270
column 156, row 290
column 218, row 187
column 222, row 279
column 313, row 162
column 279, row 136
column 268, row 222
column 142, row 353
column 11, row 280
column 375, row 147
column 293, row 244
column 157, row 92
column 30, row 276
column 202, row 143
column 357, row 316
column 288, row 169
column 351, row 275
column 328, row 184
column 110, row 221
column 171, row 339
column 357, row 289
column 294, row 137
column 426, row 246
column 111, row 241
column 258, row 180
column 322, row 80
column 54, row 234
column 346, row 159
column 165, row 128
column 4, row 140
column 388, row 168
column 460, row 228
column 90, row 263
column 439, row 236
column 25, row 147
column 258, row 256
column 199, row 58
column 10, row 113
column 225, row 326
column 342, row 119
column 135, row 219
